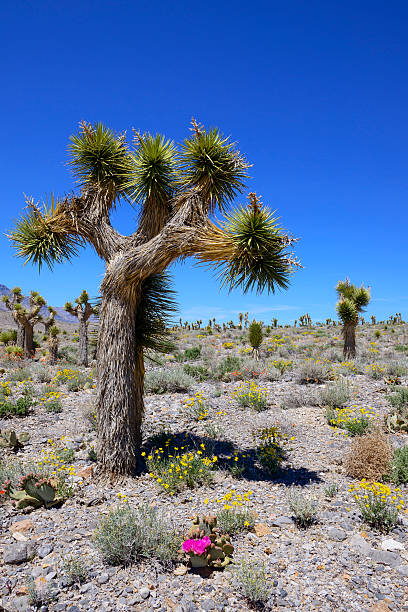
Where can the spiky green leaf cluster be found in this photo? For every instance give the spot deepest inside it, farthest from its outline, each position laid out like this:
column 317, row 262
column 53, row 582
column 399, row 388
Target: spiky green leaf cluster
column 261, row 257
column 154, row 174
column 352, row 301
column 255, row 335
column 83, row 298
column 211, row 162
column 36, row 242
column 154, row 313
column 347, row 311
column 100, row 157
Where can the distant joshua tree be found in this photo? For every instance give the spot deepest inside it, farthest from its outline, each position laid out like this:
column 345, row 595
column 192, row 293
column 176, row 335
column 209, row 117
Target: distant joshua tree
column 82, row 311
column 25, row 318
column 177, row 191
column 255, row 338
column 351, row 303
column 53, row 344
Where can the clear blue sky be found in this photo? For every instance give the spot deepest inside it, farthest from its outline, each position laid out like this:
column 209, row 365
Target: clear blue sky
column 315, row 93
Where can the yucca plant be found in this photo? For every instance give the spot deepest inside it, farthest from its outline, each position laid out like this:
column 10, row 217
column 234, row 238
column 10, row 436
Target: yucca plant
column 352, row 301
column 82, row 311
column 25, row 318
column 175, row 190
column 54, row 331
column 255, row 338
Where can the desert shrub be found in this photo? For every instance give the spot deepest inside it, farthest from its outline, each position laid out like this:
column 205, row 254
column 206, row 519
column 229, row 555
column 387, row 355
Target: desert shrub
column 253, row 582
column 190, row 354
column 173, row 380
column 68, row 353
column 19, row 374
column 199, row 372
column 270, row 450
column 19, row 408
column 251, row 395
column 41, row 373
column 14, row 351
column 176, row 467
column 300, row 398
column 396, row 368
column 127, row 535
column 374, row 370
column 369, row 456
column 39, row 596
column 399, row 399
column 229, row 364
column 75, row 568
column 398, row 472
column 378, row 504
column 8, row 337
column 331, row 490
column 336, row 394
column 313, row 371
column 353, row 420
column 303, row 507
column 196, row 407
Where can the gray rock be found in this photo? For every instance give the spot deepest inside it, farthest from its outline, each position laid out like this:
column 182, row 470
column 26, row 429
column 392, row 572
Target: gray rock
column 44, row 550
column 20, row 604
column 281, row 521
column 386, row 558
column 16, row 553
column 338, row 535
column 103, row 578
column 207, row 604
column 402, row 570
column 144, row 592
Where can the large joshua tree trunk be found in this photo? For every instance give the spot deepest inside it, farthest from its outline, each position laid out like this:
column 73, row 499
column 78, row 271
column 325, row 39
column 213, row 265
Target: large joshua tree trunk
column 120, row 374
column 20, row 335
column 83, row 341
column 349, row 337
column 28, row 340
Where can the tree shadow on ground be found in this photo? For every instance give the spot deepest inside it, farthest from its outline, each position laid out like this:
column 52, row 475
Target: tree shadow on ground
column 240, row 463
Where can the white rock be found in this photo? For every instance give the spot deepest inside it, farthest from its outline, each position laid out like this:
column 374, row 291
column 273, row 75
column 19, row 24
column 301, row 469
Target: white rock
column 390, row 544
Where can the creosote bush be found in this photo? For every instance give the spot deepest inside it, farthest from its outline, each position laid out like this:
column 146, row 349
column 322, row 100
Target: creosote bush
column 369, row 456
column 398, row 472
column 127, row 535
column 337, row 393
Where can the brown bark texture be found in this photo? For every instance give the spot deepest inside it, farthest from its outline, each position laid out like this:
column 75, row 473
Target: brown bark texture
column 349, row 337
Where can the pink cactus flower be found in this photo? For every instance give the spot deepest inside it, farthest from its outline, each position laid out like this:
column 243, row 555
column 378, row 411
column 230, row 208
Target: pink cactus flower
column 198, row 547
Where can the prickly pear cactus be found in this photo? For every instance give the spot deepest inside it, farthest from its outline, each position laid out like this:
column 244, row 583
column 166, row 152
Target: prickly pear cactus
column 397, row 422
column 35, row 491
column 9, row 439
column 219, row 553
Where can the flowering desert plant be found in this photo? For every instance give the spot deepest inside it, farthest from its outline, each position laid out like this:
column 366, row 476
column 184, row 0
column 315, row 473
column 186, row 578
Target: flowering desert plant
column 206, row 546
column 196, row 407
column 353, row 420
column 271, row 451
column 378, row 503
column 251, row 395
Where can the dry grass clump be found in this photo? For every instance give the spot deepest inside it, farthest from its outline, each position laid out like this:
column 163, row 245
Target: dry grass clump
column 369, row 456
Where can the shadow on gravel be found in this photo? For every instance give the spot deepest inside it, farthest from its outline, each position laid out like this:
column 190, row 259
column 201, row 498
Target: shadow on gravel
column 239, row 463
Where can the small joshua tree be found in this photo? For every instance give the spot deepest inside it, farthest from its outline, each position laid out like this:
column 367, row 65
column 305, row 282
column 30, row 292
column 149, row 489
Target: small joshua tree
column 25, row 318
column 352, row 301
column 48, row 323
column 53, row 344
column 83, row 310
column 255, row 338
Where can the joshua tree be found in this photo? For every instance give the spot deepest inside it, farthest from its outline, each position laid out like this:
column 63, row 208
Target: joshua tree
column 83, row 310
column 352, row 301
column 241, row 318
column 176, row 191
column 255, row 338
column 48, row 323
column 25, row 318
column 53, row 344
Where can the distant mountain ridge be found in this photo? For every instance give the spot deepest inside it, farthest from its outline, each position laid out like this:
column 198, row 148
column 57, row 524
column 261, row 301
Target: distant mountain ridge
column 61, row 315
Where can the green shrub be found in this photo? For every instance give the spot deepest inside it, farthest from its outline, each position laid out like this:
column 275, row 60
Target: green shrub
column 398, row 472
column 235, row 520
column 271, row 448
column 200, row 373
column 228, row 364
column 251, row 395
column 313, row 371
column 303, row 507
column 128, row 535
column 19, row 374
column 337, row 393
column 75, row 568
column 173, row 380
column 20, row 407
column 253, row 582
column 399, row 399
column 189, row 354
